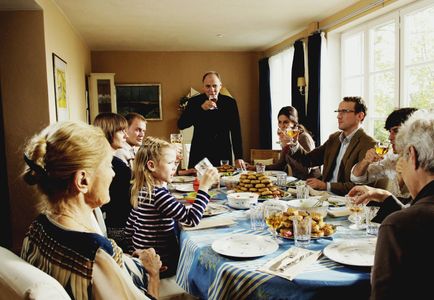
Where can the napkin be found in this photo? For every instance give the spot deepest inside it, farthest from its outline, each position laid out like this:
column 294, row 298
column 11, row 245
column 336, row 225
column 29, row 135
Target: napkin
column 338, row 211
column 212, row 222
column 290, row 263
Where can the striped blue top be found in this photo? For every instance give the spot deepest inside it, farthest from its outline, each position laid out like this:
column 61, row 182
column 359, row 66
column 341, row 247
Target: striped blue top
column 152, row 223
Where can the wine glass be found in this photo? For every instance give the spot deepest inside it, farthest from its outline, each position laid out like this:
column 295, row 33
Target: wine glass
column 176, row 139
column 273, row 216
column 356, row 211
column 213, row 99
column 381, row 148
column 293, row 132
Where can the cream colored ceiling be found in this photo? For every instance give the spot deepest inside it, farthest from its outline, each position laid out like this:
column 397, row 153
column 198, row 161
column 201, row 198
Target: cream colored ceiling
column 192, row 25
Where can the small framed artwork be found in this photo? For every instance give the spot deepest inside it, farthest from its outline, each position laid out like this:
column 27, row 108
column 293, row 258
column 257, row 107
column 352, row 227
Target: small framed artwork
column 60, row 96
column 142, row 98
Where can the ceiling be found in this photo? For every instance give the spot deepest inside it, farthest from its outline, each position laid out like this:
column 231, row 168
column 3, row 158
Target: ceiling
column 189, row 25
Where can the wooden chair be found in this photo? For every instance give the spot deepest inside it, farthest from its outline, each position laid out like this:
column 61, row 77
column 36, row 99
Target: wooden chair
column 264, row 155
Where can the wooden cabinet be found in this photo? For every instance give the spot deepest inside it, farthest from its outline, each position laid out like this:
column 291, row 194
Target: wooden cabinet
column 102, row 93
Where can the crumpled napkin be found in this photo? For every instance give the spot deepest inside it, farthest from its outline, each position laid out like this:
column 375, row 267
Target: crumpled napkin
column 291, row 262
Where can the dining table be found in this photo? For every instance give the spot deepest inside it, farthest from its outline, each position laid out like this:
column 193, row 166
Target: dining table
column 207, row 274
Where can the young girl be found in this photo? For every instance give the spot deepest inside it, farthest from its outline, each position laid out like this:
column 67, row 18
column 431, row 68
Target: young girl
column 152, row 220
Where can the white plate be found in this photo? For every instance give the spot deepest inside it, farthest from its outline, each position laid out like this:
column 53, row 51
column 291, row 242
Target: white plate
column 336, row 201
column 213, row 209
column 186, row 187
column 182, row 179
column 358, row 252
column 245, row 245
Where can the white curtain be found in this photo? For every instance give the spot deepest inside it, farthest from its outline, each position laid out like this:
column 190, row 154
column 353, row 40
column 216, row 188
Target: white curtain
column 326, row 112
column 280, row 87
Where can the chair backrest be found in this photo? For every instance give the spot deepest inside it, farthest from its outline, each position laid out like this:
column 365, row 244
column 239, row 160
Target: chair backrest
column 21, row 280
column 266, row 156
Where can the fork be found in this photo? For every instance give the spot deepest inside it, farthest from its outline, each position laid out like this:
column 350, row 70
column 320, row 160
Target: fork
column 276, row 266
column 295, row 261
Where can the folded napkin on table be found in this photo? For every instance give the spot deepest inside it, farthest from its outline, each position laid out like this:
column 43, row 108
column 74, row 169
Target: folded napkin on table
column 210, row 222
column 338, row 211
column 290, row 263
column 324, row 194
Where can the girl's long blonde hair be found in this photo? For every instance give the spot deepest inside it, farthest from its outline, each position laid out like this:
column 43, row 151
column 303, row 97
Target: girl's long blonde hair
column 151, row 149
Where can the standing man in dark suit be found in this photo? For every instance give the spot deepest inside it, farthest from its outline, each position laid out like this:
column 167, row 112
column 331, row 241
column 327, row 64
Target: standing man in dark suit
column 216, row 124
column 341, row 151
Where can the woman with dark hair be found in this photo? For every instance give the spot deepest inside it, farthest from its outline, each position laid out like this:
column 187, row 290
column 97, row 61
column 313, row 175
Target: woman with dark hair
column 288, row 119
column 118, row 209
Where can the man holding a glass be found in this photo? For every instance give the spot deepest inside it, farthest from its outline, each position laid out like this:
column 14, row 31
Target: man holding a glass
column 341, row 151
column 216, row 122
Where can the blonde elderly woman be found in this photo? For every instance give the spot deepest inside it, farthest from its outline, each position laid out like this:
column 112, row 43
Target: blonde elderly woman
column 70, row 164
column 404, row 255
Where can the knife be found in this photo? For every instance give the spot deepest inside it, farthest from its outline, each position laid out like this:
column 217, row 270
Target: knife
column 295, row 261
column 276, row 265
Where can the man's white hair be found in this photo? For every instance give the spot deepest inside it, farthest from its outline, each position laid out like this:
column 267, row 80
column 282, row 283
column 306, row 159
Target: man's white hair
column 418, row 131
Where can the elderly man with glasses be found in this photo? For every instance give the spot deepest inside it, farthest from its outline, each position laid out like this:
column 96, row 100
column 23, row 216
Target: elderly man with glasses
column 341, row 151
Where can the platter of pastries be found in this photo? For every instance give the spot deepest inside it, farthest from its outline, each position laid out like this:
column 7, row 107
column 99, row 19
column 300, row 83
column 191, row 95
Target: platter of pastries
column 226, row 169
column 282, row 221
column 258, row 183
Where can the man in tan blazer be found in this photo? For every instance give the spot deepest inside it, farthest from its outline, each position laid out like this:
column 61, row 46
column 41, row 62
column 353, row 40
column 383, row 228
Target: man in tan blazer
column 341, row 151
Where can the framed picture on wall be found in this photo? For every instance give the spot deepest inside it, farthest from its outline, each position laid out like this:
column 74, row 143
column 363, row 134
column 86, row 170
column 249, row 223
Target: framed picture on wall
column 60, row 96
column 142, row 98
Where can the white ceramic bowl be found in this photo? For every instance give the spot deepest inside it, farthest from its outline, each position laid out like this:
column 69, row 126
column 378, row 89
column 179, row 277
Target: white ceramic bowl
column 307, row 205
column 242, row 200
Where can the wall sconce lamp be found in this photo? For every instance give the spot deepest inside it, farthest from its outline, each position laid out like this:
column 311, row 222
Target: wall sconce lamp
column 301, row 83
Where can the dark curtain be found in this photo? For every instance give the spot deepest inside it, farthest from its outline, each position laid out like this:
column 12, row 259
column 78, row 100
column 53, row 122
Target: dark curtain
column 264, row 105
column 313, row 108
column 298, row 100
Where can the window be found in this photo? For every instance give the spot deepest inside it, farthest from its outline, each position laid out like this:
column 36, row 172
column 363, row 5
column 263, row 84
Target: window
column 390, row 63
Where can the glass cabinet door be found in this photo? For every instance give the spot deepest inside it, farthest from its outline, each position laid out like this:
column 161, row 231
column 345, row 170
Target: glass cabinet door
column 102, row 95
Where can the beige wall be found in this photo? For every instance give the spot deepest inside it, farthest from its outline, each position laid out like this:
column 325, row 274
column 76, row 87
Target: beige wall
column 178, row 71
column 27, row 40
column 25, row 105
column 62, row 39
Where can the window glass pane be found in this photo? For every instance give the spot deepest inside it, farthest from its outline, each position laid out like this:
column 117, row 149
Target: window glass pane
column 419, row 39
column 383, row 47
column 353, row 55
column 383, row 92
column 353, row 86
column 380, row 134
column 420, row 86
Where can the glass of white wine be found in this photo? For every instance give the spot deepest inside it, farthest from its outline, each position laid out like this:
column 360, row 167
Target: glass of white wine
column 292, row 133
column 381, row 148
column 273, row 216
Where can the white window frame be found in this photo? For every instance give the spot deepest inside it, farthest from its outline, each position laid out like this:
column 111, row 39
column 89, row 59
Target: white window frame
column 399, row 94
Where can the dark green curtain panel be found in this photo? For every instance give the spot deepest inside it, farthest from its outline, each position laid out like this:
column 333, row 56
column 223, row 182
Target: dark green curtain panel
column 298, row 71
column 313, row 103
column 264, row 105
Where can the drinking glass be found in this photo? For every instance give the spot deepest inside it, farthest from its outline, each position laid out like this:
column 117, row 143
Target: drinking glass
column 302, row 230
column 256, row 217
column 302, row 191
column 224, row 162
column 273, row 216
column 260, row 168
column 381, row 148
column 356, row 210
column 213, row 99
column 176, row 139
column 370, row 213
column 292, row 133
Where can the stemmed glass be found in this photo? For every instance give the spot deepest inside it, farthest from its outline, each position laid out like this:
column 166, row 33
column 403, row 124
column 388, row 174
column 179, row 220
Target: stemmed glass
column 176, row 139
column 381, row 148
column 356, row 211
column 273, row 216
column 213, row 99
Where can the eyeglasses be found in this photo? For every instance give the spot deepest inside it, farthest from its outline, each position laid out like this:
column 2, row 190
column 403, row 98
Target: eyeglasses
column 344, row 111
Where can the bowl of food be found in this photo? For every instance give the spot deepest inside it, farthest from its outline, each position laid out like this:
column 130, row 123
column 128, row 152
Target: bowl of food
column 242, row 200
column 310, row 205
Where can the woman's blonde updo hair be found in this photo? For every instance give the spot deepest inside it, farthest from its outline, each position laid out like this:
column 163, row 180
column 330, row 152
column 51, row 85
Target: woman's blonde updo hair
column 55, row 154
column 151, row 149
